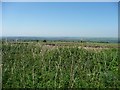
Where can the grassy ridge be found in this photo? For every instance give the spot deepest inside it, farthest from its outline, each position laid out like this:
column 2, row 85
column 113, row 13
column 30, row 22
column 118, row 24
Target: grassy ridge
column 34, row 65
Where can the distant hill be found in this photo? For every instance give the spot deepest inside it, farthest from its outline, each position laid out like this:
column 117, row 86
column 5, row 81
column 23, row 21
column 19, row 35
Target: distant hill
column 109, row 40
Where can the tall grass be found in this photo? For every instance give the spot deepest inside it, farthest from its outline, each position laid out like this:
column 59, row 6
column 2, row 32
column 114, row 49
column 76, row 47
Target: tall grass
column 29, row 66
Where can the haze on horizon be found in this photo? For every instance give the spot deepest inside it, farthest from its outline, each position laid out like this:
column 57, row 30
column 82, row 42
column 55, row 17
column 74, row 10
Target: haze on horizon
column 57, row 19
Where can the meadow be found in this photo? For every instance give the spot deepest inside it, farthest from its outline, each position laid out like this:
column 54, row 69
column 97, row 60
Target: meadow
column 56, row 64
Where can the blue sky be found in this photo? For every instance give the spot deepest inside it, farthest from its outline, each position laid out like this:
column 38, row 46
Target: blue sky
column 0, row 19
column 69, row 19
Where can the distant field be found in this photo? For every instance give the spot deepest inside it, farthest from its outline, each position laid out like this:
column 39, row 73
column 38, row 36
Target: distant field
column 55, row 64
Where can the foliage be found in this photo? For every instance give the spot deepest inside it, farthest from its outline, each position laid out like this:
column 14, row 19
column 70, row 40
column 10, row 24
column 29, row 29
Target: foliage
column 28, row 65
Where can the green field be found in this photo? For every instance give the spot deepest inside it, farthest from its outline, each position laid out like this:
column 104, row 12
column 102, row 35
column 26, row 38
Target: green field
column 59, row 65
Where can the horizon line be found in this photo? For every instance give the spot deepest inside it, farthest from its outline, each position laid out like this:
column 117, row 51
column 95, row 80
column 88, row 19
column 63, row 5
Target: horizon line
column 63, row 36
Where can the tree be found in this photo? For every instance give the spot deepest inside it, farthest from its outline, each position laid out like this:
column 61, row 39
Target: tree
column 37, row 40
column 44, row 41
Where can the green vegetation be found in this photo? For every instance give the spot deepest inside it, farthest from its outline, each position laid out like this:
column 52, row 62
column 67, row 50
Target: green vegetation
column 59, row 64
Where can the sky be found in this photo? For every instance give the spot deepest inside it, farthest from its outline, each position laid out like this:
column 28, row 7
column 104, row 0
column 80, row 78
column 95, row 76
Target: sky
column 60, row 19
column 0, row 19
column 60, row 0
